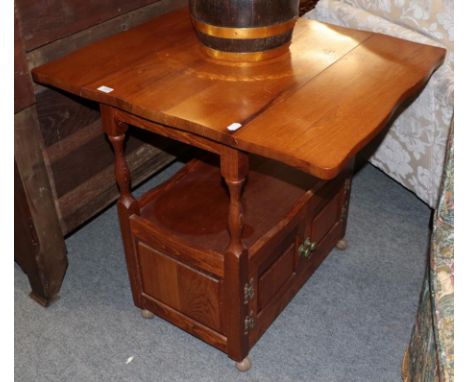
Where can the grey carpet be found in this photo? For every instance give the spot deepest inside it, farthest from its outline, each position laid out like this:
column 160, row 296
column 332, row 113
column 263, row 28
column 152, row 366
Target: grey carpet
column 350, row 322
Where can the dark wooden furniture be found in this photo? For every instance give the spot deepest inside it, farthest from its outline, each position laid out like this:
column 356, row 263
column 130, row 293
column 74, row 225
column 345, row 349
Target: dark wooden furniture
column 64, row 164
column 221, row 248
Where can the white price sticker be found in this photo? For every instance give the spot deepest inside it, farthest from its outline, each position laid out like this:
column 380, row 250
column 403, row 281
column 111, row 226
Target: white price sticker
column 234, row 126
column 105, row 89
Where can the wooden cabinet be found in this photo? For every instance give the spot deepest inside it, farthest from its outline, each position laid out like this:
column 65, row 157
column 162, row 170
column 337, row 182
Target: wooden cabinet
column 291, row 222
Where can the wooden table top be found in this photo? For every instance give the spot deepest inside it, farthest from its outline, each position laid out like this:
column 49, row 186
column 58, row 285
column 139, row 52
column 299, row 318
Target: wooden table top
column 313, row 108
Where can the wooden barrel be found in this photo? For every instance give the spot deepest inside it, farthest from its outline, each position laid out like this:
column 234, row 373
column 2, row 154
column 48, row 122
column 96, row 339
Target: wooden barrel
column 244, row 30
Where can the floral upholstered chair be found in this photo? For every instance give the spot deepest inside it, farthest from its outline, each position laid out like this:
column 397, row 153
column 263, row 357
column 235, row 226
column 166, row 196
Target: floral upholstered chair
column 430, row 353
column 413, row 150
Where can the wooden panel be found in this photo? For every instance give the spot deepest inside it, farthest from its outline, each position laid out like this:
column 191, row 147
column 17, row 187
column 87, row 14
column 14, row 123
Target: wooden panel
column 326, row 218
column 206, row 261
column 275, row 242
column 276, row 276
column 162, row 131
column 44, row 21
column 321, row 195
column 100, row 190
column 24, row 96
column 73, row 142
column 186, row 323
column 61, row 115
column 26, row 241
column 81, row 164
column 182, row 288
column 51, row 259
column 292, row 286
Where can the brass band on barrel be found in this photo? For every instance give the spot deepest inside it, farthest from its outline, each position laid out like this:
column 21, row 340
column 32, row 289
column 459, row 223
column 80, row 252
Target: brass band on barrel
column 246, row 57
column 244, row 33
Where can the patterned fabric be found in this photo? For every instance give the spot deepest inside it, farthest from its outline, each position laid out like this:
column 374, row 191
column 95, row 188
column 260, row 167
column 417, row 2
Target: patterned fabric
column 413, row 150
column 430, row 352
column 442, row 270
column 433, row 18
column 422, row 352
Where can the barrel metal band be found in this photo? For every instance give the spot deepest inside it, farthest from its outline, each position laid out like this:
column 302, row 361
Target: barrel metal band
column 244, row 33
column 248, row 56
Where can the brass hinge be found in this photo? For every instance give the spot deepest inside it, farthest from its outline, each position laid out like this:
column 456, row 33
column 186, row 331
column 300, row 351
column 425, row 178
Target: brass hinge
column 249, row 322
column 249, row 291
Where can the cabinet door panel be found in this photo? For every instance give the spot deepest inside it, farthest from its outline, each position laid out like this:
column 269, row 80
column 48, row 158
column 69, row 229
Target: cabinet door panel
column 189, row 291
column 326, row 219
column 276, row 276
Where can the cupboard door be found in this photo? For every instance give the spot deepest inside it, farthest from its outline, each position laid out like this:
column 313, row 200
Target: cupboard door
column 185, row 289
column 277, row 275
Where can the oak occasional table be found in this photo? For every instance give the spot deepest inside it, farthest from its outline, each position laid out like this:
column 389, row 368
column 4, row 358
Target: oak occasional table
column 221, row 248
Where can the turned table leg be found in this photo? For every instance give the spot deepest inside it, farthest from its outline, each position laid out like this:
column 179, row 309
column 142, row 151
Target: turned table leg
column 234, row 169
column 127, row 205
column 343, row 243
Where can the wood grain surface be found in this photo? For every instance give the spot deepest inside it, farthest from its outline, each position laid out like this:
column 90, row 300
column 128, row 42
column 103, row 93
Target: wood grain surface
column 48, row 20
column 184, row 289
column 175, row 208
column 24, row 95
column 46, row 265
column 313, row 108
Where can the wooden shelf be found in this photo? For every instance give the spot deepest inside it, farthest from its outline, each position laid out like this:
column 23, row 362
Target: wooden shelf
column 194, row 204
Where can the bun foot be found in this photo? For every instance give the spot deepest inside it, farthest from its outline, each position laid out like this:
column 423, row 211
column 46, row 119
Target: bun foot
column 342, row 245
column 146, row 314
column 244, row 365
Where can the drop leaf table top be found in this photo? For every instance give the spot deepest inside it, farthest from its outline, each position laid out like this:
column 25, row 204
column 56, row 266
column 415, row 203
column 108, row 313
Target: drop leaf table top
column 312, row 109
